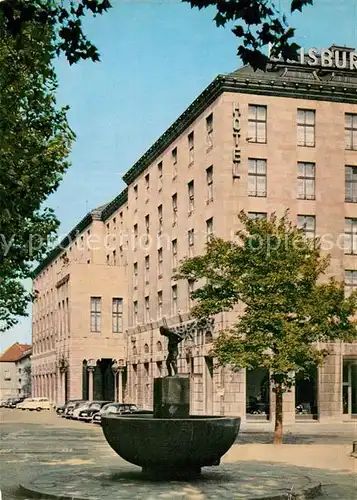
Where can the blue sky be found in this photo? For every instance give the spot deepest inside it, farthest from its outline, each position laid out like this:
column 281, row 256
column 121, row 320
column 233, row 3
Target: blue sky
column 156, row 57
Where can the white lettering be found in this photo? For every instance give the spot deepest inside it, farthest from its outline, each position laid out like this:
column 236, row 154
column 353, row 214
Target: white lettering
column 302, row 55
column 340, row 62
column 326, row 59
column 313, row 60
column 353, row 60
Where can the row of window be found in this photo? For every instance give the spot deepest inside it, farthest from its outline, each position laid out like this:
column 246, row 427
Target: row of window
column 305, row 124
column 257, row 187
column 96, row 314
column 174, row 157
column 257, row 133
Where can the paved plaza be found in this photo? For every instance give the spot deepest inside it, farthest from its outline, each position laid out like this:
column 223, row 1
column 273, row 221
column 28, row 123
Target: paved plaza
column 64, row 455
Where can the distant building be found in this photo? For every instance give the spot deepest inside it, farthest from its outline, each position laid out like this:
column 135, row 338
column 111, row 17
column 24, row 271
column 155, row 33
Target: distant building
column 15, row 371
column 259, row 141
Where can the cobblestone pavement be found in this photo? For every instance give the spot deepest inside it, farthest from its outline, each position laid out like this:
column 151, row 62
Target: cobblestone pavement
column 38, row 443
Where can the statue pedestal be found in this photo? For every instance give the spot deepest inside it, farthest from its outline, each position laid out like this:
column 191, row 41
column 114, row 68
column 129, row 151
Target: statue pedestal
column 172, row 397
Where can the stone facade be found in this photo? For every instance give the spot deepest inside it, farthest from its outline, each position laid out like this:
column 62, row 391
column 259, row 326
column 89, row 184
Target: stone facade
column 247, row 142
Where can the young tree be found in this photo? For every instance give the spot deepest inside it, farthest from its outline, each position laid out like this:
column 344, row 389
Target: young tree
column 35, row 141
column 274, row 273
column 260, row 23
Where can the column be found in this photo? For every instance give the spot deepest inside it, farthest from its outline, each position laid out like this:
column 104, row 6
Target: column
column 120, row 386
column 330, row 387
column 91, row 382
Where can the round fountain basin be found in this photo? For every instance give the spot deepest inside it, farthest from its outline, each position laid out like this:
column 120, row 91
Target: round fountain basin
column 170, row 444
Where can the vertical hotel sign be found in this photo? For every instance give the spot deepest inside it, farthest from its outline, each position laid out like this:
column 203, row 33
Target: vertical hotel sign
column 327, row 58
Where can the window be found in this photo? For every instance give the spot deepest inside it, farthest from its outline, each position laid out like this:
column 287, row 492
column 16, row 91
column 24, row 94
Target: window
column 351, row 184
column 209, row 228
column 351, row 131
column 159, row 216
column 147, row 223
column 174, row 162
column 306, row 127
column 159, row 262
column 209, row 131
column 306, row 181
column 209, row 180
column 135, row 236
column 308, row 224
column 7, row 375
column 191, row 147
column 147, row 269
column 350, row 282
column 257, row 215
column 191, row 242
column 108, row 259
column 135, row 312
column 191, row 287
column 159, row 175
column 257, row 123
column 147, row 309
column 351, row 236
column 117, row 315
column 257, row 177
column 95, row 313
column 174, row 209
column 174, row 253
column 174, row 299
column 136, row 191
column 135, row 274
column 159, row 304
column 114, row 258
column 147, row 182
column 191, row 197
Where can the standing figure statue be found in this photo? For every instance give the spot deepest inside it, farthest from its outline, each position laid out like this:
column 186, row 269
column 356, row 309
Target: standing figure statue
column 174, row 339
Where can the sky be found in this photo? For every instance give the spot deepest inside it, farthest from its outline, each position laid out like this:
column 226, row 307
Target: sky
column 156, row 58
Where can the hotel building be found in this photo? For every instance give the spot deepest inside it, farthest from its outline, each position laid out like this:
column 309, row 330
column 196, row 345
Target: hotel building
column 261, row 142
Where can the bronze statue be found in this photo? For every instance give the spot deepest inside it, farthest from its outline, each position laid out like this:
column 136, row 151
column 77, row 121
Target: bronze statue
column 174, row 339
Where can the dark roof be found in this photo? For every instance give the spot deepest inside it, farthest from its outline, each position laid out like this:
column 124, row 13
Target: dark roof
column 16, row 352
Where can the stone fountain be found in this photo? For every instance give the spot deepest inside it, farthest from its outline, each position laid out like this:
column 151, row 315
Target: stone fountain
column 169, row 442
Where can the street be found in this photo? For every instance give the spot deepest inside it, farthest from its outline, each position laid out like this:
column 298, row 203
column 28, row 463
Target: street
column 33, row 443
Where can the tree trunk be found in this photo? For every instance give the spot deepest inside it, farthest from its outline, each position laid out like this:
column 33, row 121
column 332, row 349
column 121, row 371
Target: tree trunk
column 278, row 431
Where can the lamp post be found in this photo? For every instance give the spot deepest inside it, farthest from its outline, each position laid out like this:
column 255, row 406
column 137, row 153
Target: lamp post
column 115, row 369
column 121, row 366
column 91, row 365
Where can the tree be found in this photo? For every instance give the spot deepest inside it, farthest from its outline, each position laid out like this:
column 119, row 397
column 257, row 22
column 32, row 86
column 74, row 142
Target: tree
column 35, row 141
column 259, row 23
column 273, row 275
column 27, row 385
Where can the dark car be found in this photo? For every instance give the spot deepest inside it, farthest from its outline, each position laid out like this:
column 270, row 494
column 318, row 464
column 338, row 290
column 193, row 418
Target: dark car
column 15, row 401
column 94, row 407
column 114, row 408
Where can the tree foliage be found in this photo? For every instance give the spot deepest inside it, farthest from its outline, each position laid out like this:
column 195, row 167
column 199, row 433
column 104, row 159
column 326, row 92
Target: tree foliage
column 35, row 141
column 273, row 274
column 256, row 23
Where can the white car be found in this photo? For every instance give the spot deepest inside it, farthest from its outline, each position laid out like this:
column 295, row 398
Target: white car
column 37, row 404
column 76, row 411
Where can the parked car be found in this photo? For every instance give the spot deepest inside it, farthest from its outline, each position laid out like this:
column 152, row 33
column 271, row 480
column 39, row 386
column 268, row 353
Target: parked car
column 113, row 408
column 14, row 402
column 5, row 403
column 61, row 410
column 37, row 404
column 94, row 407
column 72, row 411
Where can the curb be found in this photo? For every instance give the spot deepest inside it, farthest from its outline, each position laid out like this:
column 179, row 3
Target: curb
column 306, row 493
